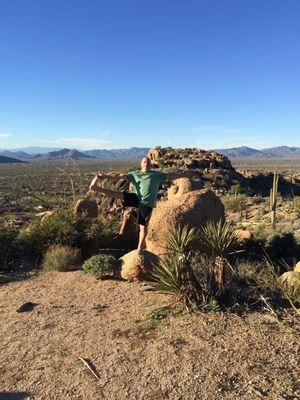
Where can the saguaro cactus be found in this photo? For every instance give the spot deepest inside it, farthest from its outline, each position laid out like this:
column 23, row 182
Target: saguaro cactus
column 273, row 198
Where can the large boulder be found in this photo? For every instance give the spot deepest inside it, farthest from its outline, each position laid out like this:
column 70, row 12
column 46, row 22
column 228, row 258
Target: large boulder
column 290, row 281
column 136, row 265
column 243, row 235
column 180, row 186
column 87, row 205
column 194, row 209
column 297, row 267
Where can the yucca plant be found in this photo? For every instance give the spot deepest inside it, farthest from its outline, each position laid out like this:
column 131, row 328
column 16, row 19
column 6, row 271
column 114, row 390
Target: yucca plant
column 174, row 274
column 182, row 239
column 220, row 240
column 166, row 275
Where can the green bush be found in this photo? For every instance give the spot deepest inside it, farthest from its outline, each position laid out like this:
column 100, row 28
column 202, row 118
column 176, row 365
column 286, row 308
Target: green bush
column 234, row 204
column 61, row 258
column 100, row 265
column 8, row 246
column 68, row 229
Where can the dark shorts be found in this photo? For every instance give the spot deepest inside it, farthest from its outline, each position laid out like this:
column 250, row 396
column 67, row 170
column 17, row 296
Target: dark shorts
column 144, row 212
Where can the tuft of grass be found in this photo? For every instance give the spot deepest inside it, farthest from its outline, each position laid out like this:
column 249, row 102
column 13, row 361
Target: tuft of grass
column 61, row 258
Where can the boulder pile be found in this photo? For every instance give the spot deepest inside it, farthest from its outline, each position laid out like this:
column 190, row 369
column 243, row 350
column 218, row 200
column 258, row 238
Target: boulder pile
column 188, row 158
column 194, row 209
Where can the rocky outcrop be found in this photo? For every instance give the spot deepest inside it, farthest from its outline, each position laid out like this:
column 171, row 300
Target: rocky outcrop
column 188, row 158
column 194, row 209
column 135, row 265
column 129, row 225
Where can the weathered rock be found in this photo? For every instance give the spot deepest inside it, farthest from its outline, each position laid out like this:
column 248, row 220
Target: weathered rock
column 87, row 205
column 194, row 209
column 180, row 186
column 297, row 267
column 135, row 265
column 154, row 155
column 291, row 281
column 243, row 234
column 129, row 225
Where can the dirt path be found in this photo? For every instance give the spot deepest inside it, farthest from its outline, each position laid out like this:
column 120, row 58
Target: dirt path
column 213, row 356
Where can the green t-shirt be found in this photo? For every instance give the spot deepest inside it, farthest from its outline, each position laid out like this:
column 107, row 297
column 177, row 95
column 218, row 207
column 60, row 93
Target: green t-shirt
column 146, row 185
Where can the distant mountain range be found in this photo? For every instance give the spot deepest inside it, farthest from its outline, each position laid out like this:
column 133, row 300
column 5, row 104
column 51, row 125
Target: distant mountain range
column 9, row 160
column 272, row 152
column 63, row 153
column 21, row 154
column 133, row 152
column 137, row 153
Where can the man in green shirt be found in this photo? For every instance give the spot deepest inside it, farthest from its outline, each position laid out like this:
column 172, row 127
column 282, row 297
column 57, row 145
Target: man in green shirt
column 146, row 184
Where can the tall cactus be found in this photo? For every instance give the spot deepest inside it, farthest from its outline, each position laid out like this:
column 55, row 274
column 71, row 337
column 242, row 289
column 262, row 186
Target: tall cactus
column 273, row 198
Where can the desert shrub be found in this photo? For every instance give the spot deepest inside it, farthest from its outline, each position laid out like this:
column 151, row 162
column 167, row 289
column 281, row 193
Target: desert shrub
column 67, row 229
column 61, row 258
column 283, row 247
column 234, row 204
column 203, row 267
column 100, row 265
column 8, row 246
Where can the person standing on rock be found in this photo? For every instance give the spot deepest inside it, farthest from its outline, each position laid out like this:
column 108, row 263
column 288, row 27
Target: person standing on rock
column 146, row 184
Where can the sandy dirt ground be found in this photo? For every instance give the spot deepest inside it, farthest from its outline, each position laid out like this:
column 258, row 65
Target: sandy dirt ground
column 212, row 356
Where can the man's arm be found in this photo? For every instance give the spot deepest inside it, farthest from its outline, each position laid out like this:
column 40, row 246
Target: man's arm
column 111, row 175
column 176, row 175
column 100, row 176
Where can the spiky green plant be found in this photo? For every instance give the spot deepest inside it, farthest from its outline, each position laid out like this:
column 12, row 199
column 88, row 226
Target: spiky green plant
column 174, row 274
column 166, row 275
column 182, row 239
column 220, row 240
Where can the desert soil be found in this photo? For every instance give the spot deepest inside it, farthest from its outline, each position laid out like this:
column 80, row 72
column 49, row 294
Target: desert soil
column 211, row 356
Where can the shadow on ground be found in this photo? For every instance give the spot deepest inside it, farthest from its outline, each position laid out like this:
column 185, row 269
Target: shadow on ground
column 14, row 395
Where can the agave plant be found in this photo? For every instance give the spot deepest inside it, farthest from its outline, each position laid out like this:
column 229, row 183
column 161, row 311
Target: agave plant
column 220, row 240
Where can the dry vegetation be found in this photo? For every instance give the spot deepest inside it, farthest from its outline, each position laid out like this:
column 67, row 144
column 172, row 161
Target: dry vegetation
column 233, row 334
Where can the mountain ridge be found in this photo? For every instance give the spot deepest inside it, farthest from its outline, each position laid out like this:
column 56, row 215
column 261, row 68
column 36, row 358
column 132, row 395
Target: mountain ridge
column 140, row 152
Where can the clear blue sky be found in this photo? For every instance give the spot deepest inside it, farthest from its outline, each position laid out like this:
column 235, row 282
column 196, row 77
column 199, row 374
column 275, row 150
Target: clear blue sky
column 111, row 74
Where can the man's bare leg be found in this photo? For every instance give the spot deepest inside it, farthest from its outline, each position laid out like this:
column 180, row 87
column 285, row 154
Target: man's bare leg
column 142, row 237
